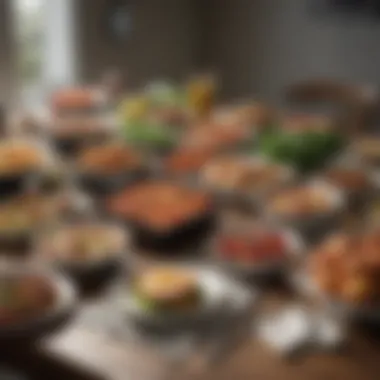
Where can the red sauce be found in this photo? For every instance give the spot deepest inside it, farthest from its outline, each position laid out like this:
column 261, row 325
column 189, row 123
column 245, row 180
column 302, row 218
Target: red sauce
column 255, row 248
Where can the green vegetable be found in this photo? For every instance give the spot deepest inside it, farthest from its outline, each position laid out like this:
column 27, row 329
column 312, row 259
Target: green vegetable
column 149, row 135
column 305, row 151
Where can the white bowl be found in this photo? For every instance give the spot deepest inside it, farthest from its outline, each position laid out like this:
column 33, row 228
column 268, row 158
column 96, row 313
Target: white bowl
column 314, row 226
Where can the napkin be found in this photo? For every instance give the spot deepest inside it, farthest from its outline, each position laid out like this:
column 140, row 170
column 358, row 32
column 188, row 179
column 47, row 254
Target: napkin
column 296, row 329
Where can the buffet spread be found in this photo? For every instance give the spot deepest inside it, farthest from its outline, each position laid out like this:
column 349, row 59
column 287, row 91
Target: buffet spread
column 97, row 183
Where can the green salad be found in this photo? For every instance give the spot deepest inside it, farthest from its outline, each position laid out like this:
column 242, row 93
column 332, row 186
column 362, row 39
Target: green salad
column 149, row 135
column 306, row 151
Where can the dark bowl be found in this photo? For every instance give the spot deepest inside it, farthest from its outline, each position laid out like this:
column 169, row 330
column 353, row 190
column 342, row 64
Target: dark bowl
column 18, row 245
column 103, row 184
column 188, row 234
column 70, row 146
column 93, row 276
column 13, row 185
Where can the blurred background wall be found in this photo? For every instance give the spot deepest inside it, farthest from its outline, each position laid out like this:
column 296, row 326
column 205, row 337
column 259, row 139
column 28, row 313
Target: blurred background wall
column 8, row 73
column 163, row 41
column 256, row 46
column 259, row 46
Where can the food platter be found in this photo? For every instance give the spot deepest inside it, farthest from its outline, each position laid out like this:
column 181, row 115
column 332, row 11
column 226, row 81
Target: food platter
column 214, row 287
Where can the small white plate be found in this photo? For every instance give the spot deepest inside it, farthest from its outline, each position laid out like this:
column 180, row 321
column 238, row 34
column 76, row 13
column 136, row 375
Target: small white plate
column 217, row 291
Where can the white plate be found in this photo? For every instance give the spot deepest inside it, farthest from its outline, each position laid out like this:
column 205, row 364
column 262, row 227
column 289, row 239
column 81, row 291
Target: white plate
column 217, row 290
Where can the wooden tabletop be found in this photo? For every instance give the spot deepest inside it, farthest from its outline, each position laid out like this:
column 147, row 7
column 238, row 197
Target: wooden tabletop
column 93, row 353
column 103, row 357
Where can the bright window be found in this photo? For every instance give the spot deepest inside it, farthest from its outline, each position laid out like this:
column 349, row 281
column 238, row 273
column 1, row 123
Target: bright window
column 45, row 46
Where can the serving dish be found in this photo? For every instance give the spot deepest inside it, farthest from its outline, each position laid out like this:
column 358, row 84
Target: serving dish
column 314, row 208
column 186, row 163
column 256, row 250
column 70, row 134
column 87, row 251
column 341, row 273
column 22, row 218
column 244, row 178
column 108, row 168
column 345, row 266
column 163, row 215
column 42, row 301
column 304, row 150
column 180, row 296
column 22, row 164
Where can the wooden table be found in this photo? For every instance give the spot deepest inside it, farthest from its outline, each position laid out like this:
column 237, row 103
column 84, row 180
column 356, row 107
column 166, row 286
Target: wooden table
column 101, row 357
column 82, row 353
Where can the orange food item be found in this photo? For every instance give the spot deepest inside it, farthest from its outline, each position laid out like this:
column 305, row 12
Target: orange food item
column 20, row 157
column 187, row 161
column 215, row 136
column 239, row 173
column 159, row 205
column 348, row 267
column 108, row 159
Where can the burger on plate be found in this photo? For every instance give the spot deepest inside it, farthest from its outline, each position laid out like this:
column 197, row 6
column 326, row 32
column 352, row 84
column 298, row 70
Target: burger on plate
column 167, row 290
